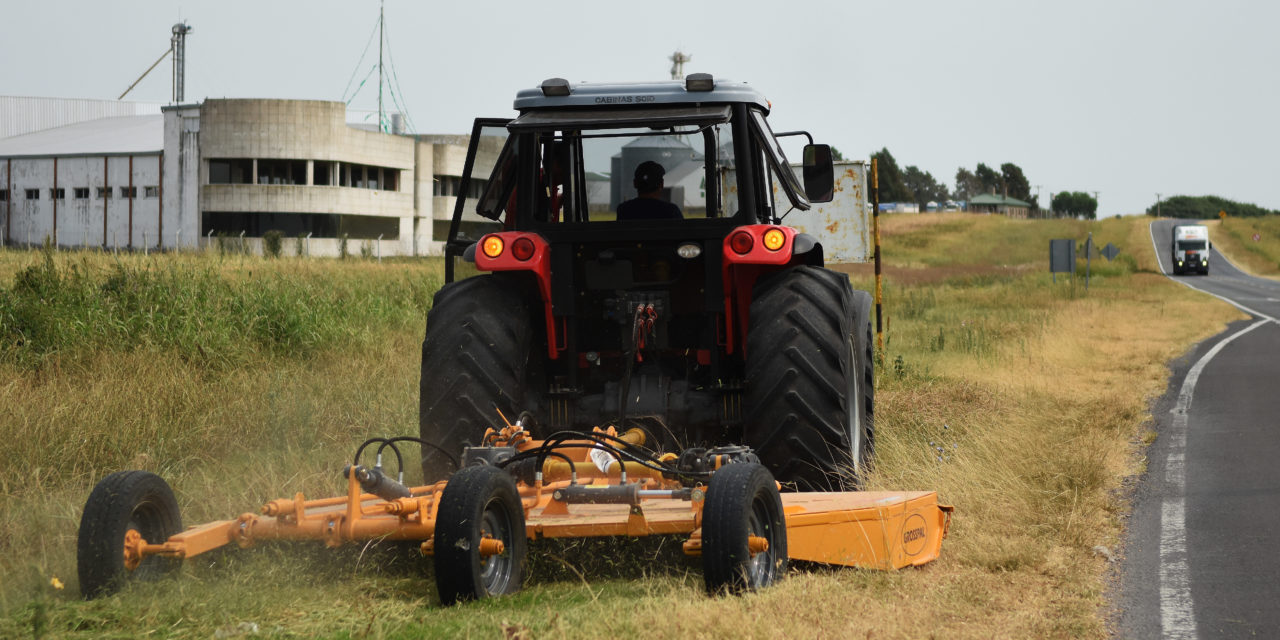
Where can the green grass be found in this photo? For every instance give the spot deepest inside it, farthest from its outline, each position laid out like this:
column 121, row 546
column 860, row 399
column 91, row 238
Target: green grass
column 243, row 380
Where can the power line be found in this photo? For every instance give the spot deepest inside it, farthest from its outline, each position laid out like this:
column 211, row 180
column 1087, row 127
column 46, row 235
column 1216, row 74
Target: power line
column 357, row 69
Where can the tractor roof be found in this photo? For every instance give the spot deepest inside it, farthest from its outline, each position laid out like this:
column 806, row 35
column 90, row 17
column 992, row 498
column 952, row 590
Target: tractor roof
column 698, row 88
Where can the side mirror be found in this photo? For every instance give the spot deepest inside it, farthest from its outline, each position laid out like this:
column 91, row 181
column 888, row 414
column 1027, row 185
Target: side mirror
column 819, row 175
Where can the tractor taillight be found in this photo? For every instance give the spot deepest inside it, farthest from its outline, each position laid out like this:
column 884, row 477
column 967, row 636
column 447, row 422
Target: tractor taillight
column 741, row 242
column 492, row 246
column 774, row 239
column 522, row 248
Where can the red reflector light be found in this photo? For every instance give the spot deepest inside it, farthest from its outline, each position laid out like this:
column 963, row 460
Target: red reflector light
column 741, row 242
column 522, row 248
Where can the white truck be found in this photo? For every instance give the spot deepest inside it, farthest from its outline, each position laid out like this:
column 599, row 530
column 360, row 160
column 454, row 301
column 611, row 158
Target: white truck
column 1191, row 248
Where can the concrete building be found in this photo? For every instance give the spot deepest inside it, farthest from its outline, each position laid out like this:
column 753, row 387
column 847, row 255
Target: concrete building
column 237, row 168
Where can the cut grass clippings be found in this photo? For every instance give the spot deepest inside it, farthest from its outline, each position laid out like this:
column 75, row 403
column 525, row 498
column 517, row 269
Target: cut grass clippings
column 1023, row 402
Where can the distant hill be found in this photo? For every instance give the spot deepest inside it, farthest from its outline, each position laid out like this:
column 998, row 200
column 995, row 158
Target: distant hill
column 1206, row 207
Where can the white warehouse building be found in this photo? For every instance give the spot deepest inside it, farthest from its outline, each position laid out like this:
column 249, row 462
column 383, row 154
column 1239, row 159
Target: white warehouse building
column 232, row 168
column 90, row 184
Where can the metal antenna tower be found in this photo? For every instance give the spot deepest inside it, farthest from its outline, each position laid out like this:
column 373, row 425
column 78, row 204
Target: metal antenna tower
column 677, row 64
column 178, row 44
column 382, row 21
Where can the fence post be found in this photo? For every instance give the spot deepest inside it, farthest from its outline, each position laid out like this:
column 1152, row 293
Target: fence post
column 379, row 248
column 309, row 243
column 145, row 248
column 244, row 249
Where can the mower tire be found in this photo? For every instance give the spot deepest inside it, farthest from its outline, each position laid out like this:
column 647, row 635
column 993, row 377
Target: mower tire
column 124, row 505
column 810, row 379
column 478, row 503
column 742, row 502
column 474, row 358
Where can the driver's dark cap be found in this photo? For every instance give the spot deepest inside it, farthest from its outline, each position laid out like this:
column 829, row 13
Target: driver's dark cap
column 649, row 176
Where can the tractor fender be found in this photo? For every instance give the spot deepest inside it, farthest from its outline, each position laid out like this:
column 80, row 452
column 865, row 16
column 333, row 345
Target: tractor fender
column 806, row 249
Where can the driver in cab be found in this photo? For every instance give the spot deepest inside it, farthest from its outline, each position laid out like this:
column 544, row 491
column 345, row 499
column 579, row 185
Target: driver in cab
column 648, row 204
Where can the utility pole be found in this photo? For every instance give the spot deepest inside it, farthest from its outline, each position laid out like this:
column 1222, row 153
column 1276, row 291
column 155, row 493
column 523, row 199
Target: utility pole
column 1157, row 205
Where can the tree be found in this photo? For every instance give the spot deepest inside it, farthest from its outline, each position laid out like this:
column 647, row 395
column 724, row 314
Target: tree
column 836, row 156
column 1015, row 184
column 967, row 185
column 892, row 187
column 988, row 179
column 1077, row 204
column 924, row 186
column 1203, row 207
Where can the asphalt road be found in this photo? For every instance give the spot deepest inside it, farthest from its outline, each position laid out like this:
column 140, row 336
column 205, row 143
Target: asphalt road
column 1202, row 553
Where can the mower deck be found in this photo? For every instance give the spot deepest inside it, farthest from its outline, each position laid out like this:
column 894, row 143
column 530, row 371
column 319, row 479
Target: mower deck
column 870, row 529
column 477, row 522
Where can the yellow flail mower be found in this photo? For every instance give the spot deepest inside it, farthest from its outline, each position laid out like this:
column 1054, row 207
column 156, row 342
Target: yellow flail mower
column 477, row 523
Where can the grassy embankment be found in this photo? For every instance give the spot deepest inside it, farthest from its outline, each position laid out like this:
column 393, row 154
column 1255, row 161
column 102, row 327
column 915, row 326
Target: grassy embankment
column 240, row 381
column 1234, row 237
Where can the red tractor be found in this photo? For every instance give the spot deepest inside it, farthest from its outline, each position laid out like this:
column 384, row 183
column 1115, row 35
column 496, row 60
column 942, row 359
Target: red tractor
column 605, row 291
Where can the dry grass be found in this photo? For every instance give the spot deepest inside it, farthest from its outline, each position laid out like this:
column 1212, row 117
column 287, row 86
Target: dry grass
column 1234, row 237
column 1043, row 390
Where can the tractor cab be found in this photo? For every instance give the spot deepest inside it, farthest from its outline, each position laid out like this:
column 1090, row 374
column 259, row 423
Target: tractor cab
column 631, row 224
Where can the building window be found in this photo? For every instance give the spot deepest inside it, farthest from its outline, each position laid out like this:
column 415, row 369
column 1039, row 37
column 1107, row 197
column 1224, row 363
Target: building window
column 320, row 174
column 33, row 194
column 282, row 171
column 81, row 193
column 4, row 195
column 128, row 192
column 58, row 194
column 151, row 192
column 231, row 171
column 104, row 192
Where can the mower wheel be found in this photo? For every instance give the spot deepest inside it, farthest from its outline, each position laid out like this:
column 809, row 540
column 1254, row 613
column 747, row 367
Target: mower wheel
column 742, row 504
column 480, row 506
column 810, row 379
column 474, row 358
column 122, row 507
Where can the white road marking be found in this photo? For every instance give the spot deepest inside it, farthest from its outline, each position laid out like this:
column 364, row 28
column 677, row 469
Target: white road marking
column 1177, row 615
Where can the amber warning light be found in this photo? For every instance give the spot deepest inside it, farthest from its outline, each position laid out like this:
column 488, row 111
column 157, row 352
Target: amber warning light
column 493, row 246
column 774, row 239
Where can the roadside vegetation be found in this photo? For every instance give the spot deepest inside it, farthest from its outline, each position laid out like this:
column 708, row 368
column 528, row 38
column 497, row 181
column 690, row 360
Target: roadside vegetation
column 1253, row 244
column 1022, row 401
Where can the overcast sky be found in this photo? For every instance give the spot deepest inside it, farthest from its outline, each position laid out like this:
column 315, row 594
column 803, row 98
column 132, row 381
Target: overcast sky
column 1124, row 98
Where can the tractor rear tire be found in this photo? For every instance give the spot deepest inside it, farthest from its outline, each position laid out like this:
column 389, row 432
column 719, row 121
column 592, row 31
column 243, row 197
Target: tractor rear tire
column 124, row 502
column 479, row 502
column 742, row 502
column 810, row 384
column 474, row 358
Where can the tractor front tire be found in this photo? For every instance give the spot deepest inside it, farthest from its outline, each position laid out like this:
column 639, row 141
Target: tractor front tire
column 479, row 503
column 474, row 358
column 124, row 506
column 742, row 503
column 810, row 379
